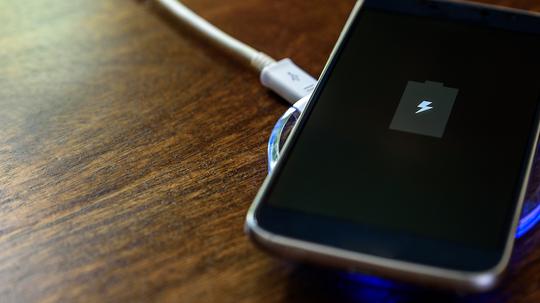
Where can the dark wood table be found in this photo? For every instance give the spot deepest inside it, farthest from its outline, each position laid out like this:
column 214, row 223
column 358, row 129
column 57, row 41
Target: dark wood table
column 130, row 151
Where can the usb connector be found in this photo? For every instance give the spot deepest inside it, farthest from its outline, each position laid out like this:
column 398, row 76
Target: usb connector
column 288, row 80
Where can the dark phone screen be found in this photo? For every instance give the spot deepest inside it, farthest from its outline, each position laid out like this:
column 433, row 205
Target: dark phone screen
column 421, row 126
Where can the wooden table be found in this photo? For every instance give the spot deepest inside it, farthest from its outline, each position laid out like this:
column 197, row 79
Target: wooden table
column 130, row 151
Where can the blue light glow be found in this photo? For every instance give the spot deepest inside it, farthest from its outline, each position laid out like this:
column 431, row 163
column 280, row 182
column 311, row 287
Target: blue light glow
column 528, row 221
column 371, row 280
column 365, row 288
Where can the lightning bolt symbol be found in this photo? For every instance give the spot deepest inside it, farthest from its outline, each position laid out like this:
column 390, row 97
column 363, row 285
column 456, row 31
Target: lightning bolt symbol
column 424, row 106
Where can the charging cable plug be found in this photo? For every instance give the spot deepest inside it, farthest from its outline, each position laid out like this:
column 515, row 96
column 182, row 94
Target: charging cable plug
column 287, row 80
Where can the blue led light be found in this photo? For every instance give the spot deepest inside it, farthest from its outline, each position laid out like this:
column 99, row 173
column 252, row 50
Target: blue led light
column 365, row 288
column 528, row 221
column 371, row 281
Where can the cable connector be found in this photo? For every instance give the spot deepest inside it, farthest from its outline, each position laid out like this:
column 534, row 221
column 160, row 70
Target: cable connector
column 288, row 80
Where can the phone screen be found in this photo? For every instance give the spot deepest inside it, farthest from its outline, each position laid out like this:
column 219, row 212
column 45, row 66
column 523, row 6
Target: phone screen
column 418, row 134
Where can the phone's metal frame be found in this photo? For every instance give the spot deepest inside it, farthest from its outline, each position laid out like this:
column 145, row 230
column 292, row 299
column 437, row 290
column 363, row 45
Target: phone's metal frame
column 313, row 252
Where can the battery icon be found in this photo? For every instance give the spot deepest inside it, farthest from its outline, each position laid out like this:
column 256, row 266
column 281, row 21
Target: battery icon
column 424, row 108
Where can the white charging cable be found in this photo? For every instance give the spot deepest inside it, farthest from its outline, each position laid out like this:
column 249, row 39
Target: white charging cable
column 283, row 77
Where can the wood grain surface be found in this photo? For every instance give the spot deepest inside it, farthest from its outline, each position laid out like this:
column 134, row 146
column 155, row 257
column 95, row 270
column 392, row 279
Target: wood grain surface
column 130, row 151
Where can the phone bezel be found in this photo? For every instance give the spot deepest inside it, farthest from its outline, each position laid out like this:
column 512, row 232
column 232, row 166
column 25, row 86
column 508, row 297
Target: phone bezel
column 311, row 250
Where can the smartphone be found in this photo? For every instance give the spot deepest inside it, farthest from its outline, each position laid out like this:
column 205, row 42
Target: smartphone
column 412, row 157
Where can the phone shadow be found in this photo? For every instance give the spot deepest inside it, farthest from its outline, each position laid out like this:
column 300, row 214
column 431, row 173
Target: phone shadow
column 317, row 285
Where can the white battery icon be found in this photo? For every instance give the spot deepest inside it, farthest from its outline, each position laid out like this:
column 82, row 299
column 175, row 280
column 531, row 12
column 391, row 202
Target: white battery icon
column 424, row 108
